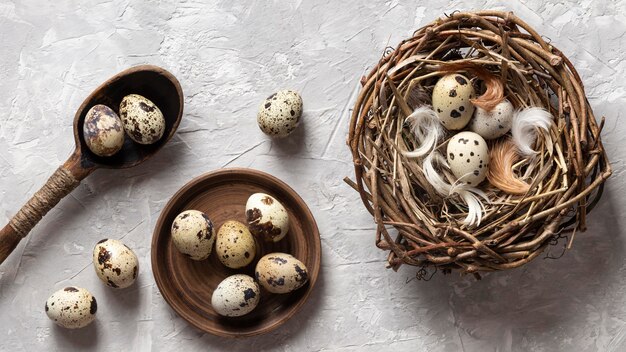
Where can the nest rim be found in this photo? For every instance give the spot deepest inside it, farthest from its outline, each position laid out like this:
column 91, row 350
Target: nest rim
column 520, row 54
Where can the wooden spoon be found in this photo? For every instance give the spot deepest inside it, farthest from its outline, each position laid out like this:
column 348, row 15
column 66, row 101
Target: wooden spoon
column 154, row 83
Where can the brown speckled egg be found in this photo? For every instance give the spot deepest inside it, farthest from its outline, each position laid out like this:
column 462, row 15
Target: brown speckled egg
column 468, row 156
column 267, row 219
column 495, row 123
column 235, row 296
column 192, row 234
column 451, row 101
column 235, row 245
column 143, row 121
column 116, row 264
column 280, row 113
column 72, row 307
column 281, row 273
column 103, row 131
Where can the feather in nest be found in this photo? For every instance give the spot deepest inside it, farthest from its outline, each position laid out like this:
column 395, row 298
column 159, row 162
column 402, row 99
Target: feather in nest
column 426, row 129
column 471, row 196
column 527, row 123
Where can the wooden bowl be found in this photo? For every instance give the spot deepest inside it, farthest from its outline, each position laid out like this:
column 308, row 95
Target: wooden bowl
column 188, row 285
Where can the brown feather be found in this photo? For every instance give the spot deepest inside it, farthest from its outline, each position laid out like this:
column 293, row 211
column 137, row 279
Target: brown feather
column 494, row 92
column 503, row 155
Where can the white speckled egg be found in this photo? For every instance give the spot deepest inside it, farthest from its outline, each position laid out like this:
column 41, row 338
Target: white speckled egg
column 267, row 218
column 451, row 101
column 235, row 245
column 143, row 121
column 72, row 307
column 281, row 273
column 103, row 131
column 192, row 234
column 116, row 264
column 495, row 123
column 468, row 157
column 235, row 296
column 280, row 113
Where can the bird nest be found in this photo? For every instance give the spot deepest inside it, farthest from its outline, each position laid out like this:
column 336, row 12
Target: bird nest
column 421, row 227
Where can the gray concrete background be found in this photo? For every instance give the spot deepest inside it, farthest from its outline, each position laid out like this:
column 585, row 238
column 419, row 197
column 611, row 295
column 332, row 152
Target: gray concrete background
column 228, row 56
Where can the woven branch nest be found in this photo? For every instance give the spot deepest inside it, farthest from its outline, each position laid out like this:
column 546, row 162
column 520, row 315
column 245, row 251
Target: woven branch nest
column 565, row 182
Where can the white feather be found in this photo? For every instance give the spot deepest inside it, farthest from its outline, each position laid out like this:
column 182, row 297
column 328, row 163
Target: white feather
column 426, row 128
column 432, row 176
column 471, row 196
column 526, row 124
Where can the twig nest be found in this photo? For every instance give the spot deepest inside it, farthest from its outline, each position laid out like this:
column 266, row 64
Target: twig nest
column 279, row 114
column 548, row 170
column 451, row 101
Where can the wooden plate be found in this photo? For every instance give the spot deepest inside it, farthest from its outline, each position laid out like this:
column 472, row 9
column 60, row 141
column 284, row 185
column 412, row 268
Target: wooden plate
column 187, row 285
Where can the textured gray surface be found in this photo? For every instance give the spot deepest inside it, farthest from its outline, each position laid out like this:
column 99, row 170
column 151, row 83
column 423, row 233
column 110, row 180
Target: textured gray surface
column 228, row 56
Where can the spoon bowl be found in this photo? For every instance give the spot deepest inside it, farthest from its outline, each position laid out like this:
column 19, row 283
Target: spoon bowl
column 152, row 82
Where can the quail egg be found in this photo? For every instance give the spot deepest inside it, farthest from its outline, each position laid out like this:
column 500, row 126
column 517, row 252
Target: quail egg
column 143, row 121
column 235, row 296
column 495, row 123
column 103, row 131
column 116, row 264
column 280, row 113
column 235, row 245
column 72, row 307
column 281, row 273
column 451, row 101
column 468, row 157
column 267, row 218
column 192, row 234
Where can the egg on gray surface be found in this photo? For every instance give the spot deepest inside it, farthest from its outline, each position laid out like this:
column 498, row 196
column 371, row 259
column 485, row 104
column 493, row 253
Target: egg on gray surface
column 72, row 307
column 468, row 157
column 267, row 219
column 451, row 101
column 143, row 121
column 192, row 234
column 495, row 123
column 281, row 273
column 116, row 264
column 103, row 131
column 235, row 296
column 235, row 245
column 280, row 113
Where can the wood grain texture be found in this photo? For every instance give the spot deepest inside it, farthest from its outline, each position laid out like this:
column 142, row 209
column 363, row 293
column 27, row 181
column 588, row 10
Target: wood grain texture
column 188, row 285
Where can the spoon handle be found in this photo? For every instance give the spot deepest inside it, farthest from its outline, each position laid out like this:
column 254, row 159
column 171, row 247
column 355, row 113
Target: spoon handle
column 65, row 179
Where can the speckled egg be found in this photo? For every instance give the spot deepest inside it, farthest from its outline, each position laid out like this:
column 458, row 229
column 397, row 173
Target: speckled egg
column 72, row 307
column 235, row 296
column 495, row 123
column 116, row 264
column 280, row 113
column 143, row 121
column 468, row 157
column 281, row 273
column 451, row 101
column 235, row 245
column 103, row 131
column 192, row 234
column 267, row 218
